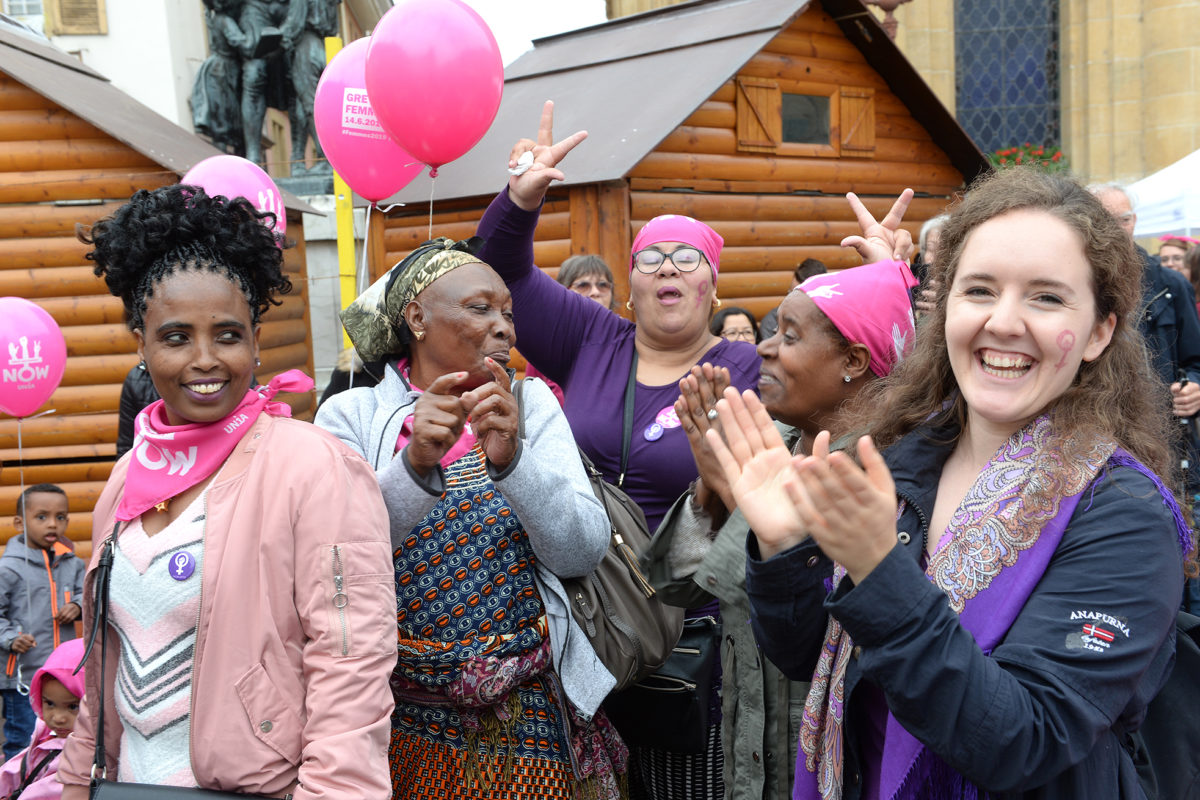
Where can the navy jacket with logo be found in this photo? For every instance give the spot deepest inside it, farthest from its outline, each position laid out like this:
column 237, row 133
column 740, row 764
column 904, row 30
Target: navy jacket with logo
column 1046, row 715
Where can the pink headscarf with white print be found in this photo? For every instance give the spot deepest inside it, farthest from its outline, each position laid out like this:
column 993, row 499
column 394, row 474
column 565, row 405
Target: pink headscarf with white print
column 679, row 228
column 870, row 305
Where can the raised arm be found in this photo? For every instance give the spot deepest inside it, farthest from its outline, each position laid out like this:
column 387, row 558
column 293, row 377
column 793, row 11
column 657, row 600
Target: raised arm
column 551, row 321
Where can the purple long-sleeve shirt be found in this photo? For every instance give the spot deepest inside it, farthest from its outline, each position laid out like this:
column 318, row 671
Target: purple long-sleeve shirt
column 588, row 350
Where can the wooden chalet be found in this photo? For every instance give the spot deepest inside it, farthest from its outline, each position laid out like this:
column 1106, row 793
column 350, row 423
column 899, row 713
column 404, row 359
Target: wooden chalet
column 756, row 116
column 72, row 149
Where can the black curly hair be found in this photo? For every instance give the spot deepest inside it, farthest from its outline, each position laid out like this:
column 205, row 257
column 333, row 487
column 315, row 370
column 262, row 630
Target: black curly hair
column 181, row 227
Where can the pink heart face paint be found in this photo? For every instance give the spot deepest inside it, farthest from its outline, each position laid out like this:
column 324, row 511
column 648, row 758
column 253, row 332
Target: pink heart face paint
column 1066, row 343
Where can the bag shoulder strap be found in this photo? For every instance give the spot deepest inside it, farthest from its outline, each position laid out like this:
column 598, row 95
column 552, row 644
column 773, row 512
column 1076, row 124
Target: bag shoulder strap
column 100, row 622
column 627, row 417
column 33, row 775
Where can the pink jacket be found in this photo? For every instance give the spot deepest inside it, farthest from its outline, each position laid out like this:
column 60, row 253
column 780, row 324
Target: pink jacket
column 46, row 787
column 289, row 687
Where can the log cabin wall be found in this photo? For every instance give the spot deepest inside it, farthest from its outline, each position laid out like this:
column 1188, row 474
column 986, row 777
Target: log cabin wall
column 56, row 170
column 776, row 204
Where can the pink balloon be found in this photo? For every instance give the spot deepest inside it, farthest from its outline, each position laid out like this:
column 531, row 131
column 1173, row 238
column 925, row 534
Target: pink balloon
column 234, row 176
column 435, row 77
column 354, row 142
column 33, row 356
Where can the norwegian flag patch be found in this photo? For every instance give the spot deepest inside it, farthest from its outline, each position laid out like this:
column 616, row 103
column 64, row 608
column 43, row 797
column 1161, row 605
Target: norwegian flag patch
column 1098, row 633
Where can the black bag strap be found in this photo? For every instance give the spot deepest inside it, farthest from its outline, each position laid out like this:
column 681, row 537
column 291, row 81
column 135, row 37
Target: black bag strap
column 627, row 418
column 100, row 622
column 32, row 776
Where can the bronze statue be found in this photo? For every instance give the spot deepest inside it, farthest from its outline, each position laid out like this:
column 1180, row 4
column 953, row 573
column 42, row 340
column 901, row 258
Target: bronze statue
column 263, row 53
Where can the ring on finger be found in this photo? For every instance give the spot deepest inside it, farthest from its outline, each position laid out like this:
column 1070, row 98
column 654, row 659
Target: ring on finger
column 712, row 414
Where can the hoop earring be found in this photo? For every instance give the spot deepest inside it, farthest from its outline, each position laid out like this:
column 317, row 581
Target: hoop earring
column 716, row 302
column 629, row 305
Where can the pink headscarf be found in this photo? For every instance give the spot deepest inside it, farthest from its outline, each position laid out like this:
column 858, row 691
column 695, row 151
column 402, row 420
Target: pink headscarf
column 59, row 665
column 678, row 228
column 870, row 305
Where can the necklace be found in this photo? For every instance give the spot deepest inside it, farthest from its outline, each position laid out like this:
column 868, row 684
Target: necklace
column 160, row 507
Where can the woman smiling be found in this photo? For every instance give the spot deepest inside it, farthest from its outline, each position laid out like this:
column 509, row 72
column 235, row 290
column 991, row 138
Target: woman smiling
column 497, row 689
column 248, row 588
column 1005, row 574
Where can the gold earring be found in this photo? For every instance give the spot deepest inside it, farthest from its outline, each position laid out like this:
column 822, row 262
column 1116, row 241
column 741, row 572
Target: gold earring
column 716, row 302
column 629, row 304
column 419, row 335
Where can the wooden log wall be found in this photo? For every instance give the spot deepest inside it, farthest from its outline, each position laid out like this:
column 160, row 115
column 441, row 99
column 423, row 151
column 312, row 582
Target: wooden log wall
column 774, row 209
column 57, row 170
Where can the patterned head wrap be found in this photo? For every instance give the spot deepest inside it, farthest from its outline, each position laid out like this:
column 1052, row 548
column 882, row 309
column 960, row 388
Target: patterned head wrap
column 373, row 320
column 870, row 305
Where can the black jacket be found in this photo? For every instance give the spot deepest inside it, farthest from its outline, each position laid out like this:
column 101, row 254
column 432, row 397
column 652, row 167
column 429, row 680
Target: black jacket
column 136, row 393
column 1172, row 331
column 1036, row 718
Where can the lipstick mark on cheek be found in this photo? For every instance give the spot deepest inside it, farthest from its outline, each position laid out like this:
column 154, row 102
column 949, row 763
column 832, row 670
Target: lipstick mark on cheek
column 703, row 291
column 1066, row 342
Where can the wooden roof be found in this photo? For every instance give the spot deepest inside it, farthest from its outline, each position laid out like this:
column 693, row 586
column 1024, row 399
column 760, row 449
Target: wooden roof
column 81, row 90
column 629, row 82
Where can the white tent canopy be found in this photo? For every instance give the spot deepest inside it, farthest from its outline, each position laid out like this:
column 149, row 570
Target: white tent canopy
column 1169, row 200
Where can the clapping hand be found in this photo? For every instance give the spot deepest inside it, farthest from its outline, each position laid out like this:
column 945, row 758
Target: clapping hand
column 883, row 240
column 529, row 188
column 699, row 391
column 850, row 511
column 757, row 465
column 494, row 416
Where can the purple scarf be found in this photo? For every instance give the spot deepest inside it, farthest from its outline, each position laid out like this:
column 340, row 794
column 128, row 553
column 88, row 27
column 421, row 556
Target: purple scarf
column 992, row 555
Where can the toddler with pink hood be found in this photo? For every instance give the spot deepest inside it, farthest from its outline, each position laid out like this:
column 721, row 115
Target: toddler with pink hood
column 54, row 694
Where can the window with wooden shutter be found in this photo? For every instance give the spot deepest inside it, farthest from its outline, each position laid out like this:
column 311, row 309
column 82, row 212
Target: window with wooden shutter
column 759, row 125
column 75, row 17
column 858, row 122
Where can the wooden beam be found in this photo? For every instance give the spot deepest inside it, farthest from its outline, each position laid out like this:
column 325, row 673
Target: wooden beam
column 616, row 236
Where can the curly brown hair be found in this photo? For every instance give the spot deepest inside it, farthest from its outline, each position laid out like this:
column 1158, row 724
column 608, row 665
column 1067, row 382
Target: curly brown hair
column 1100, row 402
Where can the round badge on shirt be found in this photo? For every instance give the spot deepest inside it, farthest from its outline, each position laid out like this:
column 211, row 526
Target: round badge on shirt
column 181, row 565
column 666, row 418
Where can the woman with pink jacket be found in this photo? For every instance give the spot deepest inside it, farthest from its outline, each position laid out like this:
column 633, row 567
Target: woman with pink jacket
column 250, row 624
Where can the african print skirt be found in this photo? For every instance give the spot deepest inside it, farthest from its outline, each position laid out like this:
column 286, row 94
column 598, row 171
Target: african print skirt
column 480, row 712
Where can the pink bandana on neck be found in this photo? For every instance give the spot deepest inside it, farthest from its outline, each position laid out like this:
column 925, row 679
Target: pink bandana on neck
column 870, row 305
column 168, row 459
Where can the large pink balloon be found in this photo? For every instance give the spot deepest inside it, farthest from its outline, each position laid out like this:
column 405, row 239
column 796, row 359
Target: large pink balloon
column 33, row 356
column 435, row 77
column 354, row 142
column 234, row 176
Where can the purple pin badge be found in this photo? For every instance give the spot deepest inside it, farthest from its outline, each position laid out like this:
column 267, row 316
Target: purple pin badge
column 182, row 565
column 653, row 432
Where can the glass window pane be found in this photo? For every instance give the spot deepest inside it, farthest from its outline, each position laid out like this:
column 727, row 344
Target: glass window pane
column 1006, row 71
column 806, row 118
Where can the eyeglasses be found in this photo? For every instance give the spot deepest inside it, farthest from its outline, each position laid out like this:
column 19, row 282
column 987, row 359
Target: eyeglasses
column 585, row 285
column 741, row 334
column 685, row 259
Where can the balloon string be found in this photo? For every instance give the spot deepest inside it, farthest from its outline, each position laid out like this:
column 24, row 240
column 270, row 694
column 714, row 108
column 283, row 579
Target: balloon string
column 24, row 525
column 361, row 281
column 432, row 182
